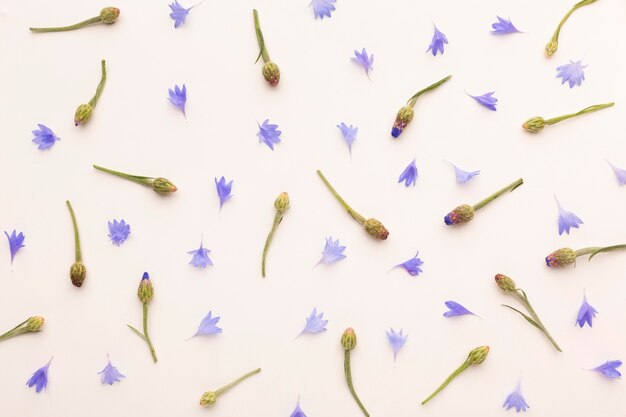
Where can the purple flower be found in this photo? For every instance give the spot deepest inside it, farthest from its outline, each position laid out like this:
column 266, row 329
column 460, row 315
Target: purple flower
column 179, row 13
column 16, row 242
column 332, row 252
column 503, row 27
column 322, row 8
column 298, row 411
column 620, row 173
column 515, row 399
column 118, row 231
column 412, row 266
column 567, row 219
column 609, row 369
column 409, row 175
column 269, row 134
column 349, row 134
column 44, row 137
column 223, row 190
column 456, row 309
column 200, row 258
column 573, row 73
column 364, row 60
column 396, row 340
column 315, row 323
column 439, row 39
column 463, row 176
column 208, row 326
column 40, row 378
column 178, row 97
column 110, row 374
column 486, row 100
column 586, row 313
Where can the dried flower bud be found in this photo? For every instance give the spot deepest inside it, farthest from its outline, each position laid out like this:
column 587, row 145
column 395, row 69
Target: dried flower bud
column 163, row 186
column 551, row 47
column 505, row 283
column 34, row 324
column 376, row 229
column 561, row 257
column 461, row 214
column 77, row 273
column 348, row 339
column 83, row 114
column 478, row 355
column 534, row 124
column 271, row 73
column 403, row 118
column 208, row 398
column 109, row 15
column 145, row 292
column 281, row 204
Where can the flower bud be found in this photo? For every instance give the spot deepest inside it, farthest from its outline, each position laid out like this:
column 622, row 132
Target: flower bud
column 376, row 229
column 461, row 214
column 208, row 398
column 551, row 47
column 163, row 186
column 478, row 355
column 505, row 283
column 271, row 73
column 534, row 124
column 109, row 15
column 34, row 324
column 561, row 257
column 403, row 118
column 348, row 339
column 145, row 292
column 83, row 114
column 77, row 273
column 281, row 204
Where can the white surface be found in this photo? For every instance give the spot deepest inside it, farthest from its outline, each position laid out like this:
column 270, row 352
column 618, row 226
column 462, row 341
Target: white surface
column 134, row 128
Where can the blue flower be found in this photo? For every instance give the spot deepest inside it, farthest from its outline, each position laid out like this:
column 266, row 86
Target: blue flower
column 456, row 309
column 322, row 8
column 349, row 134
column 412, row 266
column 567, row 219
column 409, row 175
column 208, row 326
column 223, row 190
column 16, row 242
column 364, row 60
column 200, row 258
column 179, row 13
column 315, row 323
column 44, row 137
column 515, row 399
column 574, row 73
column 110, row 374
column 298, row 411
column 463, row 176
column 609, row 369
column 396, row 340
column 269, row 134
column 118, row 231
column 486, row 100
column 40, row 378
column 620, row 174
column 586, row 313
column 332, row 252
column 439, row 39
column 178, row 97
column 503, row 27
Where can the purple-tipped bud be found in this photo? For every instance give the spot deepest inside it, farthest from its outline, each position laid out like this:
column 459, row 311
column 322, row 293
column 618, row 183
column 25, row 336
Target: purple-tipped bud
column 478, row 355
column 348, row 339
column 505, row 283
column 376, row 229
column 83, row 114
column 461, row 214
column 271, row 73
column 145, row 292
column 403, row 118
column 163, row 186
column 561, row 257
column 109, row 15
column 77, row 273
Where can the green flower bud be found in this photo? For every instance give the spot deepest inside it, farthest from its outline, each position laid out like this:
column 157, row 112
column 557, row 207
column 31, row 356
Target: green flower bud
column 77, row 273
column 348, row 339
column 83, row 114
column 405, row 115
column 505, row 283
column 376, row 229
column 281, row 204
column 34, row 324
column 109, row 15
column 561, row 257
column 462, row 214
column 534, row 124
column 478, row 355
column 271, row 73
column 145, row 292
column 163, row 186
column 208, row 398
column 551, row 47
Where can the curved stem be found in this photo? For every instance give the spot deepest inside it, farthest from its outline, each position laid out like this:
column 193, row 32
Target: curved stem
column 413, row 99
column 587, row 251
column 348, row 372
column 226, row 387
column 605, row 249
column 135, row 178
column 510, row 187
column 524, row 300
column 259, row 37
column 454, row 374
column 77, row 254
column 145, row 332
column 555, row 36
column 278, row 217
column 356, row 216
column 103, row 79
column 96, row 19
column 589, row 109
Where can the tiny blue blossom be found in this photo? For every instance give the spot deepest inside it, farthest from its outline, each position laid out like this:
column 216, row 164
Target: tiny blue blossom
column 179, row 13
column 178, row 97
column 349, row 134
column 118, row 231
column 609, row 369
column 364, row 60
column 315, row 323
column 463, row 176
column 16, row 242
column 40, row 378
column 333, row 252
column 567, row 219
column 110, row 374
column 396, row 340
column 269, row 134
column 439, row 39
column 200, row 258
column 409, row 175
column 486, row 100
column 586, row 313
column 412, row 266
column 456, row 309
column 44, row 137
column 515, row 399
column 298, row 411
column 208, row 326
column 573, row 73
column 503, row 27
column 223, row 190
column 620, row 174
column 322, row 8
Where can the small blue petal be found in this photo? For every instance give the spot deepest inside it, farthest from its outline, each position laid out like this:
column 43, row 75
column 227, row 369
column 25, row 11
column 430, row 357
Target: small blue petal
column 178, row 97
column 456, row 309
column 396, row 340
column 269, row 134
column 223, row 190
column 118, row 231
column 412, row 266
column 322, row 8
column 298, row 411
column 200, row 258
column 315, row 323
column 409, row 175
column 364, row 60
column 620, row 174
column 16, row 242
column 586, row 314
column 463, row 176
column 503, row 27
column 333, row 252
column 110, row 374
column 486, row 100
column 40, row 378
column 567, row 220
column 208, row 326
column 572, row 73
column 179, row 13
column 515, row 399
column 44, row 137
column 609, row 369
column 436, row 45
column 349, row 134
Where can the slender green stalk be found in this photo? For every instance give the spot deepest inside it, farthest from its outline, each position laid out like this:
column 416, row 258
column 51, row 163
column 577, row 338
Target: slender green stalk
column 554, row 41
column 413, row 99
column 78, row 255
column 587, row 251
column 356, row 216
column 96, row 19
column 589, row 109
column 227, row 387
column 348, row 372
column 14, row 331
column 103, row 79
column 510, row 187
column 278, row 217
column 145, row 332
column 454, row 374
column 259, row 36
column 523, row 298
column 135, row 178
column 604, row 249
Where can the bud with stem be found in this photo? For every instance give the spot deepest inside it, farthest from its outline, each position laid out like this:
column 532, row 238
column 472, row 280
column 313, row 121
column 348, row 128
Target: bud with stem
column 145, row 292
column 78, row 271
column 567, row 256
column 108, row 15
column 553, row 45
column 281, row 205
column 84, row 111
column 30, row 325
column 159, row 185
column 348, row 342
column 210, row 397
column 537, row 123
column 270, row 70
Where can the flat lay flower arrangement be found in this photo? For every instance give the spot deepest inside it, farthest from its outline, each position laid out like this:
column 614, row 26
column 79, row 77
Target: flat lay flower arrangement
column 182, row 220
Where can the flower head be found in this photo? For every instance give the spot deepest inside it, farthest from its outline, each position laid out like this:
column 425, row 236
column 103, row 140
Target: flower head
column 456, row 309
column 322, row 8
column 200, row 258
column 364, row 60
column 178, row 97
column 463, row 176
column 486, row 100
column 110, row 374
column 269, row 134
column 412, row 266
column 462, row 214
column 403, row 118
column 409, row 175
column 223, row 190
column 620, row 174
column 586, row 313
column 145, row 290
column 40, row 378
column 567, row 219
column 332, row 252
column 515, row 399
column 44, row 137
column 503, row 27
column 436, row 45
column 349, row 134
column 609, row 369
column 315, row 323
column 573, row 73
column 16, row 242
column 208, row 326
column 297, row 412
column 118, row 231
column 179, row 13
column 396, row 340
column 348, row 339
column 561, row 257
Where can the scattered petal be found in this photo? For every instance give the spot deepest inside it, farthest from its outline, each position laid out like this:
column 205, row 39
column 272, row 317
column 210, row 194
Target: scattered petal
column 44, row 137
column 332, row 252
column 620, row 173
column 269, row 134
column 322, row 8
column 463, row 176
column 223, row 190
column 110, row 374
column 16, row 242
column 409, row 175
column 349, row 134
column 208, row 326
column 178, row 97
column 118, row 231
column 412, row 266
column 439, row 39
column 503, row 27
column 315, row 323
column 200, row 258
column 396, row 340
column 586, row 313
column 515, row 399
column 456, row 309
column 363, row 60
column 179, row 13
column 609, row 369
column 573, row 73
column 298, row 411
column 40, row 378
column 567, row 219
column 486, row 100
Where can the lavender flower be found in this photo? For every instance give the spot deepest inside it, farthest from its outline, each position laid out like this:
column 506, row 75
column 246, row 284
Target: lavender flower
column 412, row 266
column 315, row 323
column 223, row 190
column 200, row 258
column 178, row 97
column 269, row 134
column 567, row 219
column 349, row 134
column 44, row 137
column 16, row 242
column 456, row 309
column 322, row 8
column 179, row 13
column 110, row 374
column 297, row 412
column 586, row 313
column 40, row 378
column 208, row 326
column 620, row 174
column 409, row 175
column 118, row 231
column 609, row 369
column 332, row 252
column 364, row 60
column 463, row 176
column 573, row 73
column 503, row 27
column 436, row 45
column 515, row 399
column 396, row 340
column 486, row 100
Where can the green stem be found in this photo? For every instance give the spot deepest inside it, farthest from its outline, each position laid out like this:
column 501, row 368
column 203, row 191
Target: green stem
column 79, row 25
column 145, row 332
column 589, row 109
column 587, row 251
column 605, row 249
column 413, row 99
column 348, row 372
column 454, row 374
column 14, row 331
column 510, row 187
column 356, row 216
column 278, row 217
column 578, row 5
column 259, row 37
column 135, row 178
column 77, row 253
column 226, row 387
column 103, row 79
column 524, row 300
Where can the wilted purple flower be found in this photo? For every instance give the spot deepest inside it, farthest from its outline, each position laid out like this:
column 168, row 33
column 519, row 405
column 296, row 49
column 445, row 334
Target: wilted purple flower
column 349, row 134
column 620, row 173
column 40, row 378
column 486, row 100
column 503, row 27
column 396, row 340
column 315, row 323
column 439, row 39
column 463, row 176
column 269, row 134
column 573, row 73
column 586, row 313
column 412, row 266
column 178, row 97
column 409, row 175
column 44, row 137
column 332, row 252
column 110, row 374
column 456, row 309
column 515, row 399
column 298, row 411
column 118, row 231
column 179, row 13
column 223, row 190
column 609, row 369
column 567, row 219
column 200, row 258
column 364, row 60
column 322, row 8
column 208, row 326
column 16, row 242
